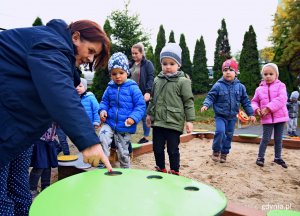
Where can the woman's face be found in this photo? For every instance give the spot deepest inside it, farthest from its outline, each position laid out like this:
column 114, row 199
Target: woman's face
column 86, row 50
column 137, row 56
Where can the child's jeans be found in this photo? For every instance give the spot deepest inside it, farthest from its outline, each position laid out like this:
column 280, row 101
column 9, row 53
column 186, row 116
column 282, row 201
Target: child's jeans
column 122, row 141
column 223, row 134
column 267, row 133
column 36, row 174
column 15, row 196
column 292, row 125
column 161, row 137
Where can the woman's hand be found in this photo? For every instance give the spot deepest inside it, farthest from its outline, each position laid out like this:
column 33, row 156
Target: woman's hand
column 94, row 154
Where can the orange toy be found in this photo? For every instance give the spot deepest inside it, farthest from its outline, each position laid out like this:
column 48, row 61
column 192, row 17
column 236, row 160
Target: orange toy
column 243, row 116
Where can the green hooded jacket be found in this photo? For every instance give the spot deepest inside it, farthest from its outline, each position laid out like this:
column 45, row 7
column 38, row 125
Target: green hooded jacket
column 172, row 101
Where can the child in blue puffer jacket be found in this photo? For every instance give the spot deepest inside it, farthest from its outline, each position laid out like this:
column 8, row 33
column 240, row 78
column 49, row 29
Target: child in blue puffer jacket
column 121, row 108
column 226, row 96
column 89, row 102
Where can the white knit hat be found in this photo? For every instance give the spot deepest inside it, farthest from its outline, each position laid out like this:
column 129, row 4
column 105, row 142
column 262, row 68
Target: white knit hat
column 274, row 66
column 294, row 95
column 173, row 51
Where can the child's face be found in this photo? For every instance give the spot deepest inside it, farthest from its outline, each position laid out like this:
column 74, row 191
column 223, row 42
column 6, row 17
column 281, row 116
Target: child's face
column 229, row 74
column 169, row 65
column 80, row 89
column 269, row 74
column 118, row 76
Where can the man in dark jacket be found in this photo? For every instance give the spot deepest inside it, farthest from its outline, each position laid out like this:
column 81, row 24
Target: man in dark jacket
column 37, row 78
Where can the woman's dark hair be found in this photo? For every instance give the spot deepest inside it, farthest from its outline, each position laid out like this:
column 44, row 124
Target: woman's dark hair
column 92, row 32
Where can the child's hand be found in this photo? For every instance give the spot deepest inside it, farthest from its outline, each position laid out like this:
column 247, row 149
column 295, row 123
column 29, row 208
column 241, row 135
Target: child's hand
column 129, row 122
column 189, row 127
column 103, row 115
column 96, row 126
column 146, row 97
column 265, row 111
column 204, row 108
column 258, row 112
column 148, row 121
column 252, row 119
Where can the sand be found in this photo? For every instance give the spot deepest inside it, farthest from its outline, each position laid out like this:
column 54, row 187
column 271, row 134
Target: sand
column 242, row 181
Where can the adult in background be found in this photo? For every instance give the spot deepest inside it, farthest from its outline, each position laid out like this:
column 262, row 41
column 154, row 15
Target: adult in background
column 142, row 72
column 38, row 75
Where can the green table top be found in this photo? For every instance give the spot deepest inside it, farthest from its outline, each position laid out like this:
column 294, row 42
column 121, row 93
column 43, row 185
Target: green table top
column 133, row 193
column 135, row 145
column 283, row 213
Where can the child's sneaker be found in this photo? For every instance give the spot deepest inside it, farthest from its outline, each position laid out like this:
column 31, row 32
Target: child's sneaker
column 260, row 162
column 173, row 172
column 164, row 170
column 215, row 156
column 280, row 162
column 294, row 134
column 223, row 158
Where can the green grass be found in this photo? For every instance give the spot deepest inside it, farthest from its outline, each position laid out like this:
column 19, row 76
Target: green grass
column 204, row 117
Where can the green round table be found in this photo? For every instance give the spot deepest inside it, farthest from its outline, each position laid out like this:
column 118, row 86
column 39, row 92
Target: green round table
column 129, row 192
column 135, row 145
column 283, row 213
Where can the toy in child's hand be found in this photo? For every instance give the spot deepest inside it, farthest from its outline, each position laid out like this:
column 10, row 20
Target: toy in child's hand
column 242, row 116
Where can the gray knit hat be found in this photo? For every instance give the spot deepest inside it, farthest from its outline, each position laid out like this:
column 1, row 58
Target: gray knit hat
column 173, row 51
column 84, row 83
column 118, row 60
column 294, row 95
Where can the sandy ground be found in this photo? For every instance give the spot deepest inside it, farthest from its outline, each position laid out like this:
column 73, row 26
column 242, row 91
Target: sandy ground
column 240, row 178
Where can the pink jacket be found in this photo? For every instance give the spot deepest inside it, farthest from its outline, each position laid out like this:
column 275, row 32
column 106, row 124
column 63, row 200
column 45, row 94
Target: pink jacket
column 273, row 96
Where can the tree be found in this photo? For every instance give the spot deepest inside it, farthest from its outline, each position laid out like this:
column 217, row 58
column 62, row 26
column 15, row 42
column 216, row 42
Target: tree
column 37, row 22
column 286, row 40
column 186, row 66
column 126, row 30
column 222, row 51
column 266, row 54
column 149, row 54
column 200, row 71
column 160, row 43
column 171, row 37
column 249, row 64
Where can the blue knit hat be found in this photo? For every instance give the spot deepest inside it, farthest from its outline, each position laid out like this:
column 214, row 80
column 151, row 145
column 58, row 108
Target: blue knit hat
column 173, row 51
column 118, row 60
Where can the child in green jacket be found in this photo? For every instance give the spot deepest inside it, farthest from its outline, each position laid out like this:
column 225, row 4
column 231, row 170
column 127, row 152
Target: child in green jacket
column 171, row 105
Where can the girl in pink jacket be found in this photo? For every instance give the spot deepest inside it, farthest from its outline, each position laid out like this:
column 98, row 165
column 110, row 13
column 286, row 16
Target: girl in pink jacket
column 269, row 102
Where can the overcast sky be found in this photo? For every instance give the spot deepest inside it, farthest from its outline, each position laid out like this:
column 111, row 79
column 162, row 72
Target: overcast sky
column 191, row 17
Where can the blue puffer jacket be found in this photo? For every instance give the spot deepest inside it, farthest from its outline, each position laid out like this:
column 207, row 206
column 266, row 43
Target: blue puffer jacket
column 122, row 102
column 91, row 106
column 226, row 98
column 37, row 72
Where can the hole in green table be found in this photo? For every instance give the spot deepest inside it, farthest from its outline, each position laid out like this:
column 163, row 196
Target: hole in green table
column 191, row 188
column 113, row 173
column 154, row 177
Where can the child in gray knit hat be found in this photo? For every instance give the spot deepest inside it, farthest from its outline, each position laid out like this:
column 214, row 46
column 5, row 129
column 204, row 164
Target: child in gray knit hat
column 171, row 106
column 89, row 102
column 293, row 107
column 121, row 109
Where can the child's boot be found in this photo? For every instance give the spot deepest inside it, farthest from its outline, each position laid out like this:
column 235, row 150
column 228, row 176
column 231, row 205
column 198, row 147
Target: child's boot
column 215, row 156
column 164, row 170
column 280, row 162
column 223, row 158
column 294, row 134
column 260, row 162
